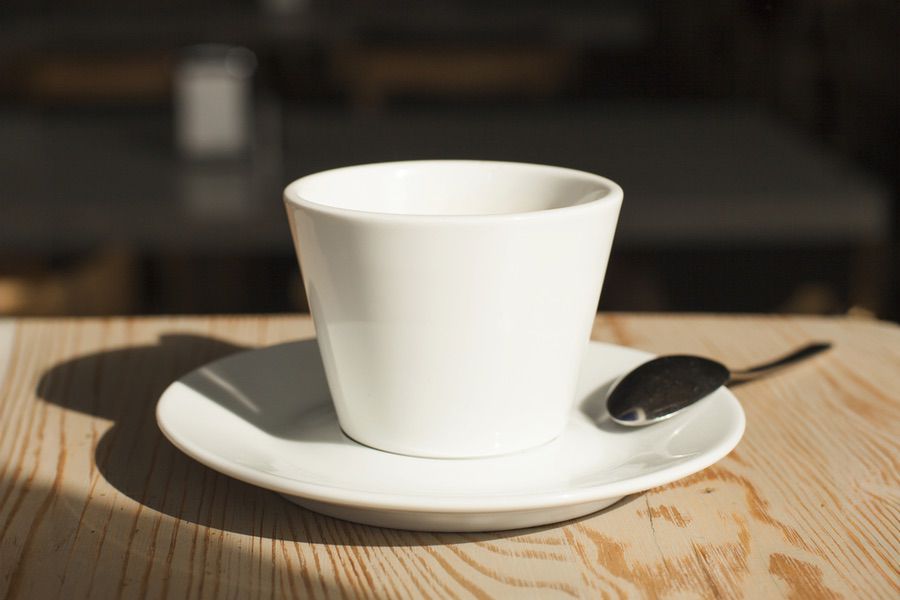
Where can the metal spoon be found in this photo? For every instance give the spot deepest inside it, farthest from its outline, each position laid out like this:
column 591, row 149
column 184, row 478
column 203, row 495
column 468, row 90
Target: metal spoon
column 665, row 386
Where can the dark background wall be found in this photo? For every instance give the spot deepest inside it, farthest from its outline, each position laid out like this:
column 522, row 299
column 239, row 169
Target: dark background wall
column 757, row 141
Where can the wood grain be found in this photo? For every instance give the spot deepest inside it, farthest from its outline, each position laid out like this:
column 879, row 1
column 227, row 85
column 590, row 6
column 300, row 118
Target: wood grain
column 95, row 503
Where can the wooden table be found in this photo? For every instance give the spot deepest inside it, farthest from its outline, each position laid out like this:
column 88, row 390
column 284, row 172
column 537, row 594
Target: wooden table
column 94, row 502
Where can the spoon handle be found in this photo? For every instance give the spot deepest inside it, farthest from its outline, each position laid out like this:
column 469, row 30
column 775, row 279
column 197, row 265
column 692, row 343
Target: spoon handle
column 743, row 375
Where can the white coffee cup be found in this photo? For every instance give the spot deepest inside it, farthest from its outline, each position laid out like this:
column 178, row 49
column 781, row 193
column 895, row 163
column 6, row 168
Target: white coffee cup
column 453, row 300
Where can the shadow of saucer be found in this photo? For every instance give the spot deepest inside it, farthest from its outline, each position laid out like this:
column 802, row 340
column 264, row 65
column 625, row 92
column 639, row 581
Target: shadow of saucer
column 133, row 456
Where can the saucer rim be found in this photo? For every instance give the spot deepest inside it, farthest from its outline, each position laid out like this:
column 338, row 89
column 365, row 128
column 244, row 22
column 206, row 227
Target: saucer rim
column 431, row 503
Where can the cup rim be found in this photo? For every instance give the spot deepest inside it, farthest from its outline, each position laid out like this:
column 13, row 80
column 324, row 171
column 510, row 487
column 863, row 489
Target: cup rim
column 614, row 195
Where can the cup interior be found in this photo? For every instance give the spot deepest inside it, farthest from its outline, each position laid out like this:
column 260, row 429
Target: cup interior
column 450, row 188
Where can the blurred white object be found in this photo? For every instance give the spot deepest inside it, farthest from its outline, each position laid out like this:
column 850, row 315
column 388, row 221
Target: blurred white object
column 216, row 192
column 213, row 92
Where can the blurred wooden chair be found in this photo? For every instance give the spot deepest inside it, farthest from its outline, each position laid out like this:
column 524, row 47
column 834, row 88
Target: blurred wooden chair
column 105, row 282
column 373, row 74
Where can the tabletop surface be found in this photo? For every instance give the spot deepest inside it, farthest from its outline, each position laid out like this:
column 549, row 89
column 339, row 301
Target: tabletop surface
column 94, row 502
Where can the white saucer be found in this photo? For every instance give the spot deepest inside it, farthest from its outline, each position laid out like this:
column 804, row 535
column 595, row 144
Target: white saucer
column 265, row 417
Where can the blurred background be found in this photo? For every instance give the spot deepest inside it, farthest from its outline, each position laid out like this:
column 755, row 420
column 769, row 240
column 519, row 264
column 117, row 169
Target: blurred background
column 144, row 144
